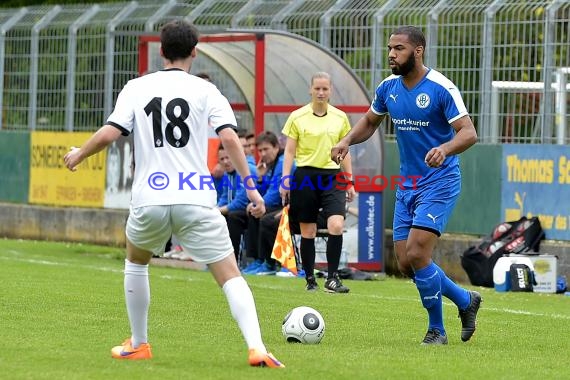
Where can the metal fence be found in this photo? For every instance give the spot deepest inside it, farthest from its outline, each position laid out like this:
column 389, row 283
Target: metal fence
column 61, row 67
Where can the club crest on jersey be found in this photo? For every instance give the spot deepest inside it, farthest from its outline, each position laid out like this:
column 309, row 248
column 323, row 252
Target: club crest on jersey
column 422, row 100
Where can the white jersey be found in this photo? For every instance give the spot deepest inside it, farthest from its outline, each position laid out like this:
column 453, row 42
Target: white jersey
column 170, row 112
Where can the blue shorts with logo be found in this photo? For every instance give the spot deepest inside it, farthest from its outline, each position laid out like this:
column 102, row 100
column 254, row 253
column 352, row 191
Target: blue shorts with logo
column 428, row 207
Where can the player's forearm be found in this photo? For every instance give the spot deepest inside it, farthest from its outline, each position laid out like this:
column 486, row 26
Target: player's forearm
column 361, row 131
column 288, row 157
column 464, row 138
column 346, row 166
column 99, row 141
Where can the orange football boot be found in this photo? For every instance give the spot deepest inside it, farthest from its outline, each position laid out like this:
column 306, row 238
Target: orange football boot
column 259, row 359
column 126, row 351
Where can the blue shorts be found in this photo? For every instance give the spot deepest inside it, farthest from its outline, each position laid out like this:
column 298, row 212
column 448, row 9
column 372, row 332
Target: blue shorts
column 427, row 208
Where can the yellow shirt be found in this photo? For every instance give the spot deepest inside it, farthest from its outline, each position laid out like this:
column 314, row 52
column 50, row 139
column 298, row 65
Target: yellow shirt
column 316, row 135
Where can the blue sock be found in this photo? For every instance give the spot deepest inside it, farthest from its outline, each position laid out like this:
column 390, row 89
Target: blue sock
column 428, row 283
column 454, row 292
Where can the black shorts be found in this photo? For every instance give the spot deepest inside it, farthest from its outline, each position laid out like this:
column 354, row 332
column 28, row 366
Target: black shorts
column 313, row 189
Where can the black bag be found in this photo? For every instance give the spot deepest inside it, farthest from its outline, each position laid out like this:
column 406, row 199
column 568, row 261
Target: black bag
column 521, row 236
column 522, row 278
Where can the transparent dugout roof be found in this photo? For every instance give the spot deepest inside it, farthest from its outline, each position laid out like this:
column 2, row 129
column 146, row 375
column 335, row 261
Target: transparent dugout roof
column 290, row 61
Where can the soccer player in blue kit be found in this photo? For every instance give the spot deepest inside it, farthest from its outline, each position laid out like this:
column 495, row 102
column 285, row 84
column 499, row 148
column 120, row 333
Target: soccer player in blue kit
column 432, row 128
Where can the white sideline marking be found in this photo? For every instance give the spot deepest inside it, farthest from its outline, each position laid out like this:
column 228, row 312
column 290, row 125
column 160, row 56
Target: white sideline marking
column 58, row 263
column 273, row 287
column 524, row 312
column 483, row 307
column 417, row 300
column 74, row 264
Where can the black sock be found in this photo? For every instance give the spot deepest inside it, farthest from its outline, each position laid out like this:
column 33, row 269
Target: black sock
column 308, row 255
column 334, row 250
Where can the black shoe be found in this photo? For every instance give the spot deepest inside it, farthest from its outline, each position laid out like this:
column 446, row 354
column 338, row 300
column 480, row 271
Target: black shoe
column 469, row 316
column 334, row 285
column 311, row 284
column 434, row 336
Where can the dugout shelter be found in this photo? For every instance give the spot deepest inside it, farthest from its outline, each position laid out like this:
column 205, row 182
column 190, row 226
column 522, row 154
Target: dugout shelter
column 266, row 75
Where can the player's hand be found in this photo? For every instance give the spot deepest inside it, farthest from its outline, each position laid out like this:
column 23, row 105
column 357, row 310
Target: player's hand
column 257, row 206
column 435, row 157
column 285, row 190
column 339, row 151
column 72, row 158
column 284, row 196
column 350, row 193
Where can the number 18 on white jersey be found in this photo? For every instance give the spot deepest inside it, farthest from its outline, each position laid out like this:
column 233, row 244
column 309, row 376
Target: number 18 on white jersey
column 169, row 113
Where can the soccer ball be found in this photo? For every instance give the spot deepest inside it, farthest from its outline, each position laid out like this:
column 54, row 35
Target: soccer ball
column 304, row 324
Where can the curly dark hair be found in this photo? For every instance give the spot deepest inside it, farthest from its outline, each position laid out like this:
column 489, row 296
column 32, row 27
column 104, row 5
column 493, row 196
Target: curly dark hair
column 415, row 35
column 178, row 38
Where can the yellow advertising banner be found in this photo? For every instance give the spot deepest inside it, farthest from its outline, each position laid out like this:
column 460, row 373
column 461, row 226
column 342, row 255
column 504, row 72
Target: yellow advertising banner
column 51, row 183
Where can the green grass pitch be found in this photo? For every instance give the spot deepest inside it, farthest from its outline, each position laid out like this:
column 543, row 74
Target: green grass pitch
column 62, row 309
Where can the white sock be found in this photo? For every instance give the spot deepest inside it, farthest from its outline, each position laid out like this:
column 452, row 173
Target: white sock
column 137, row 297
column 243, row 310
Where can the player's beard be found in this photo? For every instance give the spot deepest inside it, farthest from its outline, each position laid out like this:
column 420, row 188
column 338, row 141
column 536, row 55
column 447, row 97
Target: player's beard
column 406, row 67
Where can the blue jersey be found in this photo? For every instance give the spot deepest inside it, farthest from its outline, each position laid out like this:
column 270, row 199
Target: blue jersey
column 422, row 117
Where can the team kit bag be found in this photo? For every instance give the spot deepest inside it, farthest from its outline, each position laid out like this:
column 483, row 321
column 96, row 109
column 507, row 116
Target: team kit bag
column 517, row 237
column 522, row 278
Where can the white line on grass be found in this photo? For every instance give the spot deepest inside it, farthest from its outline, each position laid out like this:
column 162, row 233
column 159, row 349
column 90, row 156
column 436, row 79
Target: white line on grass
column 493, row 309
column 59, row 263
column 449, row 304
column 524, row 312
column 273, row 287
column 75, row 265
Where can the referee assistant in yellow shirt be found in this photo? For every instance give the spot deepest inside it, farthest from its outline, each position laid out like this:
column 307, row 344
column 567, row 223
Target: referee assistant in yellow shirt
column 311, row 132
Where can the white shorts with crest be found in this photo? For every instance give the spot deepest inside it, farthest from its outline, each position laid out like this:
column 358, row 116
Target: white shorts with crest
column 201, row 231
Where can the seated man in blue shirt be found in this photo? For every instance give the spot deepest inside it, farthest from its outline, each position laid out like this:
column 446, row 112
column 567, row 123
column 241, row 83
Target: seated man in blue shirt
column 270, row 173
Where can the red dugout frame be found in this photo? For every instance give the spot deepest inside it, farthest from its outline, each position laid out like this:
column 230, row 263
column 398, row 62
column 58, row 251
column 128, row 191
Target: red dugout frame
column 260, row 107
column 259, row 96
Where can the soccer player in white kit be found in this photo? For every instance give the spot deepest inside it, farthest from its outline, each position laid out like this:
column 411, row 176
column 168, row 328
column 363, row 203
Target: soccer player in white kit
column 169, row 113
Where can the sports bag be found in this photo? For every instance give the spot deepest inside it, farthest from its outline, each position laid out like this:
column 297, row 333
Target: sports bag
column 520, row 236
column 522, row 278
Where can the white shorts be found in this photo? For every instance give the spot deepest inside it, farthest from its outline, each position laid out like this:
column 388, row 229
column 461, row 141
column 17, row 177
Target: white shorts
column 201, row 231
